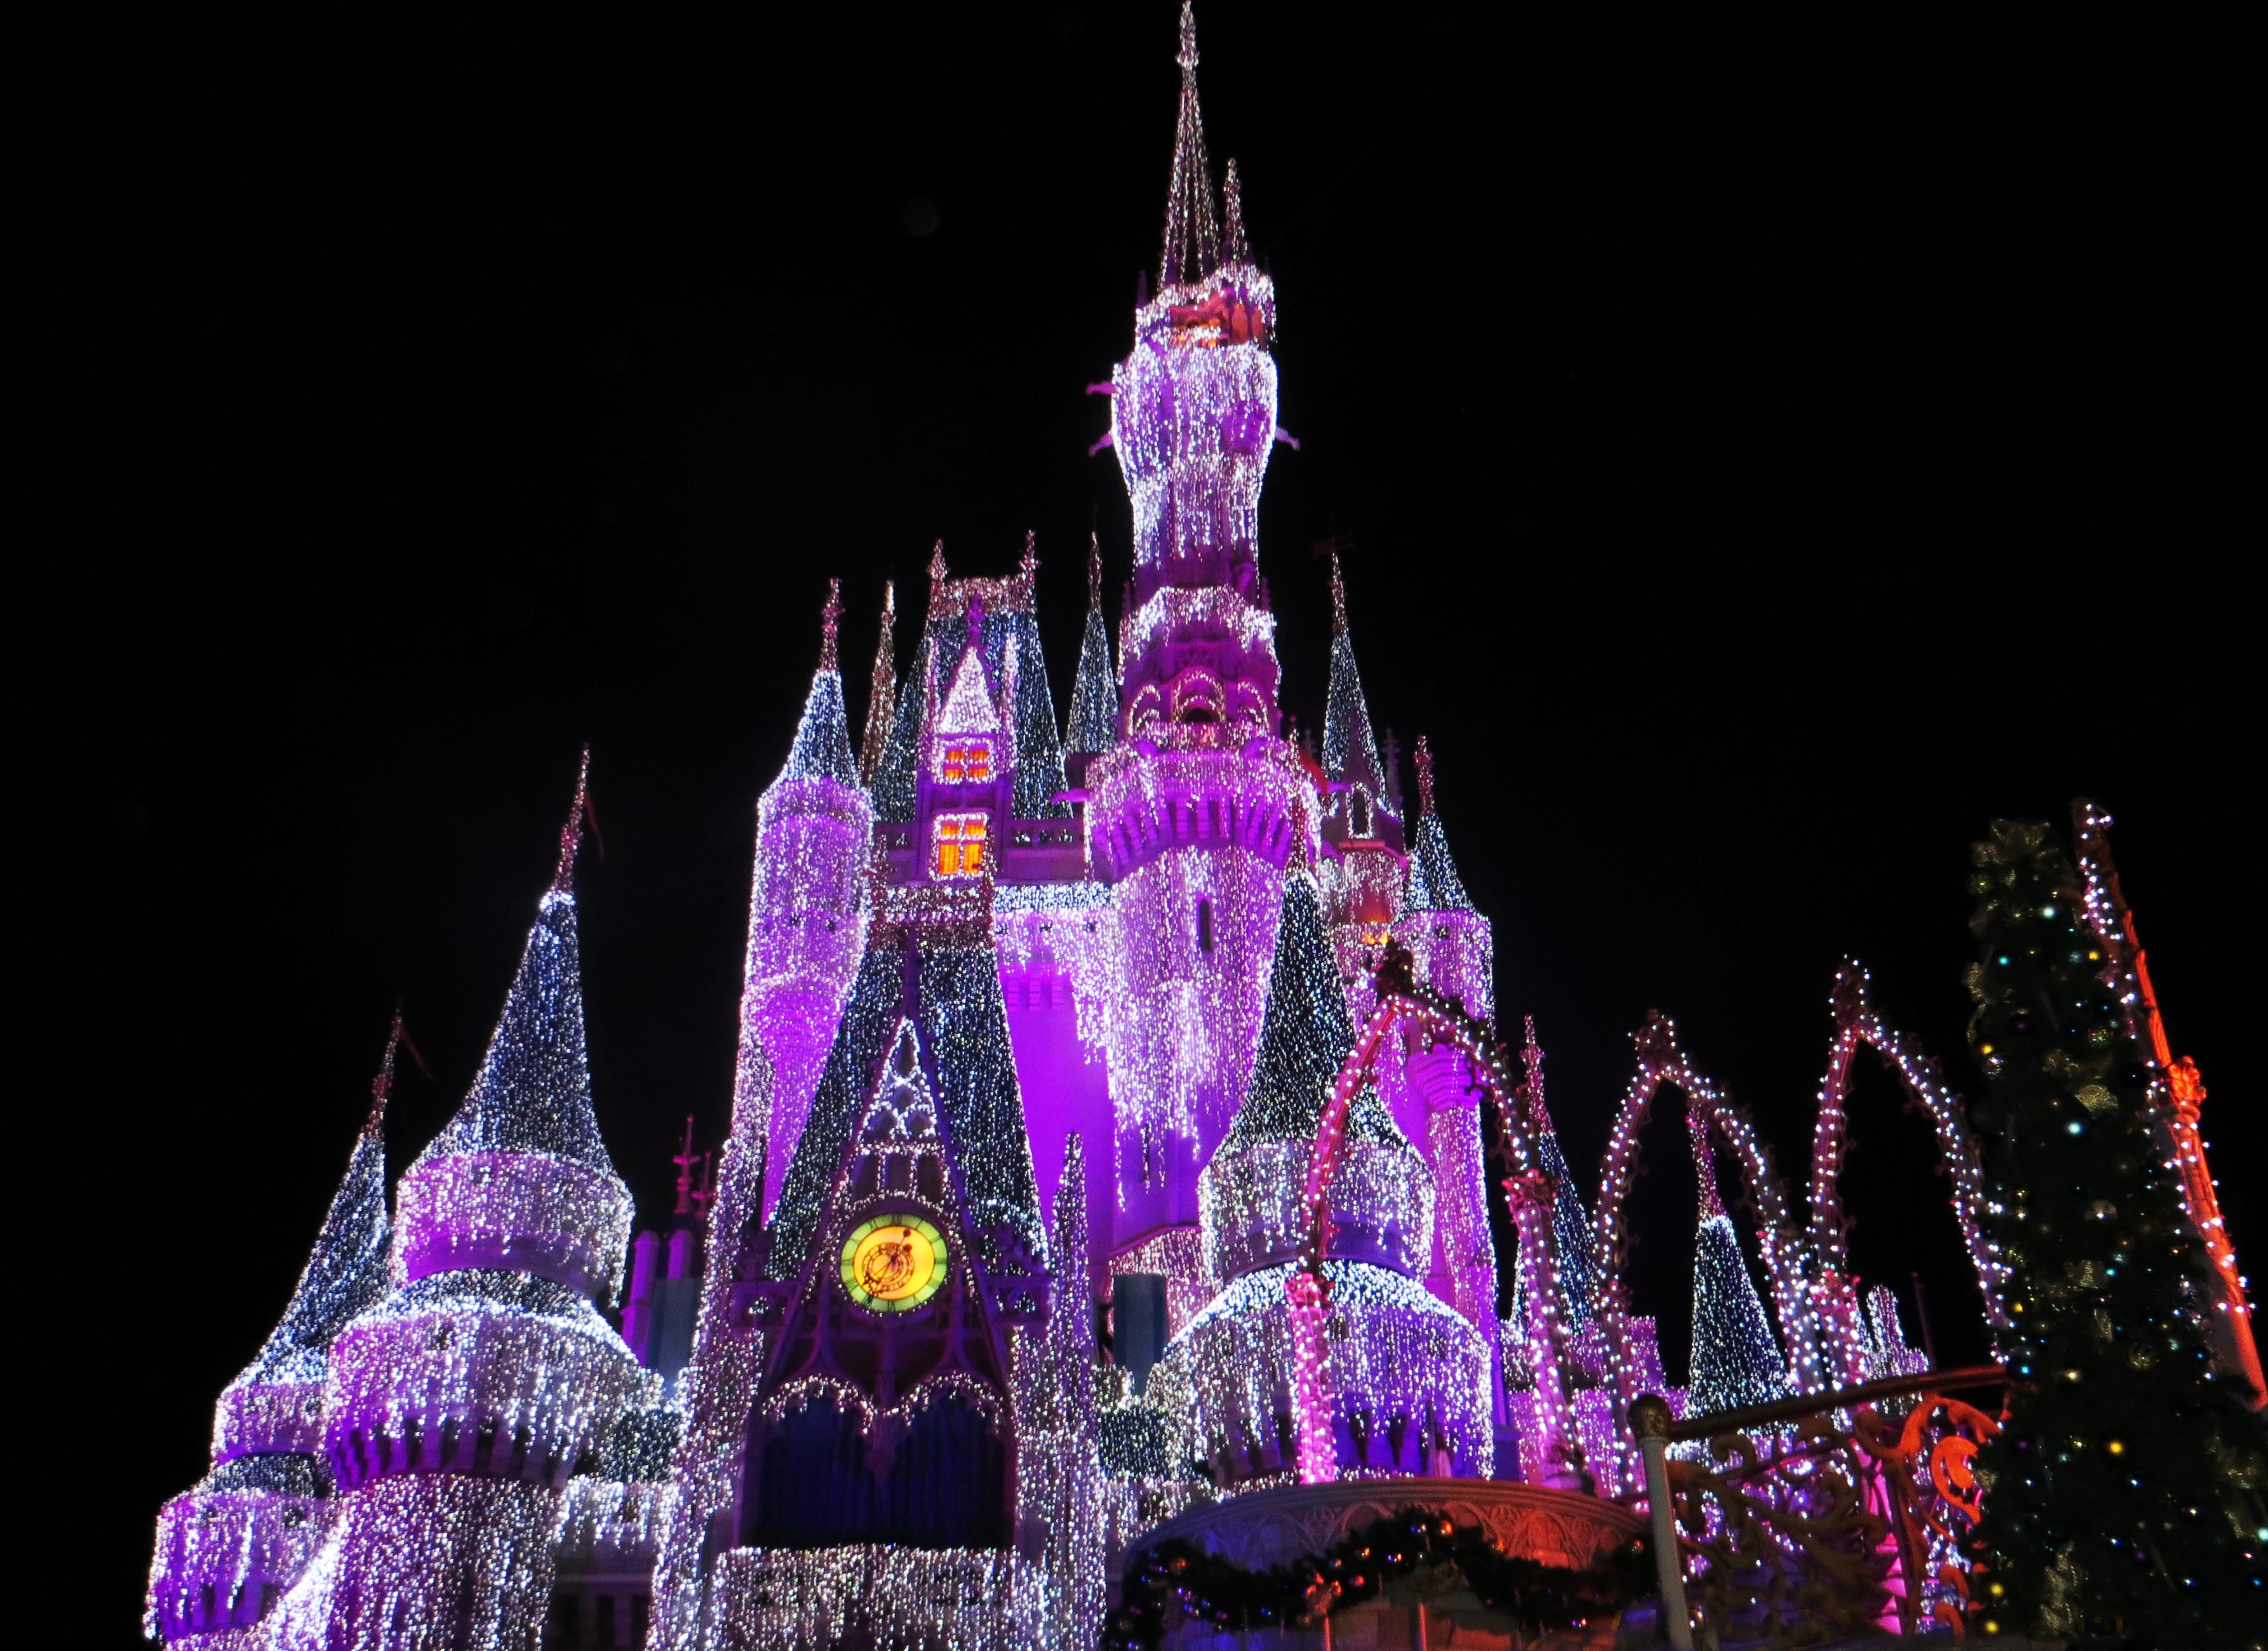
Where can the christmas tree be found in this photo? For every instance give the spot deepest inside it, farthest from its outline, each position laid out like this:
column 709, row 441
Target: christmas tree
column 2124, row 1498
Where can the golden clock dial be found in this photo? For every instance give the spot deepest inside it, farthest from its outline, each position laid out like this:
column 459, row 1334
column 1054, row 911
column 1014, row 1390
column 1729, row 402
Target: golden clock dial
column 894, row 1263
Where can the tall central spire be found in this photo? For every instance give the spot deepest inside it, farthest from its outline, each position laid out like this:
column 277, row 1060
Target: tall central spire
column 1192, row 240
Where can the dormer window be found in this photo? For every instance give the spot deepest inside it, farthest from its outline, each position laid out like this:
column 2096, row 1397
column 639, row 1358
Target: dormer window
column 961, row 845
column 965, row 763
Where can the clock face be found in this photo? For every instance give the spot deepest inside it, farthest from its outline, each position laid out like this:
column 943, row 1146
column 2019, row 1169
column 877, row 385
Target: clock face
column 894, row 1264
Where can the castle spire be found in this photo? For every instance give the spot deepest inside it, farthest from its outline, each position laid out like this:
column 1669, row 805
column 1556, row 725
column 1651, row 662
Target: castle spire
column 1192, row 242
column 823, row 738
column 1350, row 747
column 1434, row 885
column 345, row 1273
column 533, row 1093
column 1571, row 1225
column 881, row 691
column 1095, row 691
column 1234, row 247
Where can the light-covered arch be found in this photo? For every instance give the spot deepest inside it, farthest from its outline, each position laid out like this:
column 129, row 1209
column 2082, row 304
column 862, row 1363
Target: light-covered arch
column 1661, row 1063
column 1835, row 1306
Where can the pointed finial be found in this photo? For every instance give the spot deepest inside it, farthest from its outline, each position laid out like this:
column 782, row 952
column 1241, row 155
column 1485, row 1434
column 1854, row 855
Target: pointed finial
column 1339, row 597
column 570, row 835
column 1192, row 242
column 882, row 690
column 382, row 1086
column 685, row 1159
column 1424, row 758
column 829, row 617
column 1233, row 249
column 1028, row 564
column 936, row 575
column 1094, row 572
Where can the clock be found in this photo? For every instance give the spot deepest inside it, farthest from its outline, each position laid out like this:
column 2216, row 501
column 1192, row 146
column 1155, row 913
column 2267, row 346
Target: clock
column 894, row 1263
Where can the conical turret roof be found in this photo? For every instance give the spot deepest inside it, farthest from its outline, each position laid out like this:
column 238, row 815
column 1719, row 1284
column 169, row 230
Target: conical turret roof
column 1305, row 1037
column 1571, row 1223
column 533, row 1093
column 346, row 1269
column 883, row 690
column 1350, row 747
column 1736, row 1359
column 822, row 739
column 1434, row 885
column 1095, row 693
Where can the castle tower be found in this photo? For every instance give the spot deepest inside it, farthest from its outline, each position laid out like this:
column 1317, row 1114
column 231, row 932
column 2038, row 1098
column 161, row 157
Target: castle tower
column 1193, row 817
column 228, row 1549
column 807, row 905
column 455, row 1409
column 1411, row 1374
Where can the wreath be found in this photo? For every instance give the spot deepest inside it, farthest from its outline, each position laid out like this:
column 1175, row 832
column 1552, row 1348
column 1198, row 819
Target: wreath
column 1176, row 1575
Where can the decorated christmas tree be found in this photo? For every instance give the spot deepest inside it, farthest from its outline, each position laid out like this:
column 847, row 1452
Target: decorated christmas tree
column 2123, row 1499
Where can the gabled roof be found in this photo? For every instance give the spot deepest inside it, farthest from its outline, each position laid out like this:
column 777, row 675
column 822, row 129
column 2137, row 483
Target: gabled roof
column 950, row 994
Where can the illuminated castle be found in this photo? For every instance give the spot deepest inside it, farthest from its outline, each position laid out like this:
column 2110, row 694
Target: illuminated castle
column 995, row 1271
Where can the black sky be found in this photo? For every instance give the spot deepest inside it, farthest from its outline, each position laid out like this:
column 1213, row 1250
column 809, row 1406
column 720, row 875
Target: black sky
column 1771, row 442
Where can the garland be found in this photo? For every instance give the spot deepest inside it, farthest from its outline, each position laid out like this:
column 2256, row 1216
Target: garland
column 1178, row 1575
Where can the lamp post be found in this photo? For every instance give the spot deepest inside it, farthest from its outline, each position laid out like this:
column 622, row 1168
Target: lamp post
column 1649, row 1420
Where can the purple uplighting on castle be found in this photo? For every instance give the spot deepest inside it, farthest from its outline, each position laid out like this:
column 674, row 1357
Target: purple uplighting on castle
column 1008, row 1257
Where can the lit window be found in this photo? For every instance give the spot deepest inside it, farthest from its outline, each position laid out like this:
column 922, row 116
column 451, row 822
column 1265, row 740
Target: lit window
column 966, row 763
column 961, row 845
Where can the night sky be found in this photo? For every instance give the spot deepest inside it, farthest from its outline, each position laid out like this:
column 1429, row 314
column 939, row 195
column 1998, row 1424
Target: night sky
column 1768, row 445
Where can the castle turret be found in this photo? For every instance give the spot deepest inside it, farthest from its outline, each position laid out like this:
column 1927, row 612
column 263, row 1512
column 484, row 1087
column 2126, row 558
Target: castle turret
column 807, row 905
column 455, row 1409
column 1410, row 1374
column 1446, row 934
column 228, row 1549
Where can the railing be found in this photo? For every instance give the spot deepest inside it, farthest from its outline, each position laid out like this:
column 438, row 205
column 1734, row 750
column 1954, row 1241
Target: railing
column 1820, row 1515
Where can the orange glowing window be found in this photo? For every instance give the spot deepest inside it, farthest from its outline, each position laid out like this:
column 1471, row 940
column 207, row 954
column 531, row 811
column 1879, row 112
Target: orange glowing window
column 966, row 763
column 961, row 845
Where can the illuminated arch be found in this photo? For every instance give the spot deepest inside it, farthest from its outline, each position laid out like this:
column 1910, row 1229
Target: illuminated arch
column 1661, row 1062
column 1438, row 1021
column 1835, row 1293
